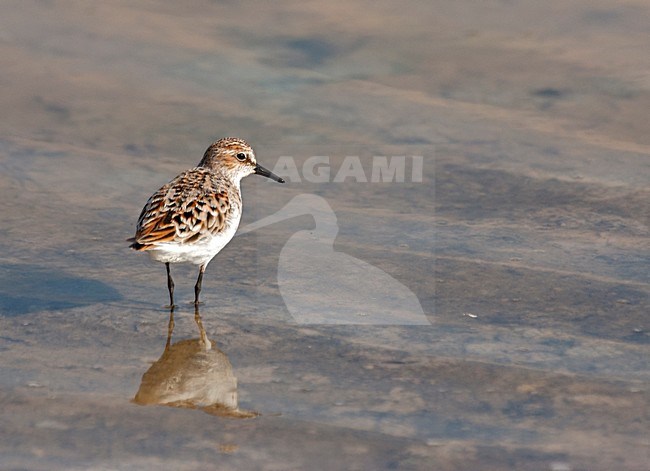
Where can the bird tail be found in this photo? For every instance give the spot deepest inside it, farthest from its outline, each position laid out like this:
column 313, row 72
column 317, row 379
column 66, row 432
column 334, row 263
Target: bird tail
column 137, row 245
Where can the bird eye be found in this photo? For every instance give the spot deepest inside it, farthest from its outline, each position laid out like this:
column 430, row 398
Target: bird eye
column 241, row 156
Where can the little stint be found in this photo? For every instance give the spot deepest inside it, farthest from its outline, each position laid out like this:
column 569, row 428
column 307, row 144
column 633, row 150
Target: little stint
column 194, row 216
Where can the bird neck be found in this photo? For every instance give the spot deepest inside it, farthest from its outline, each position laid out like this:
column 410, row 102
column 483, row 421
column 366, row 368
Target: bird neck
column 227, row 175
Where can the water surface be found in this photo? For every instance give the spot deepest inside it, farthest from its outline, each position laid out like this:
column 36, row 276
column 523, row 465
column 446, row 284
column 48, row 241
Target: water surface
column 525, row 243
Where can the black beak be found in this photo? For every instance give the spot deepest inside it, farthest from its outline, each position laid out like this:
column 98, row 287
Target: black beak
column 267, row 173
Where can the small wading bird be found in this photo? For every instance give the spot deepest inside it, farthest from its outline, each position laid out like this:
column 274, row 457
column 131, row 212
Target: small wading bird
column 194, row 216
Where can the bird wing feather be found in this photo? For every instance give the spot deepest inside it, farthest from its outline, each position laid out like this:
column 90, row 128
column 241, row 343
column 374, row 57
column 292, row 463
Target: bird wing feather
column 192, row 207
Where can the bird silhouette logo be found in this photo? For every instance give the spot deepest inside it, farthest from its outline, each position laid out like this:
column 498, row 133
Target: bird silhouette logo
column 320, row 285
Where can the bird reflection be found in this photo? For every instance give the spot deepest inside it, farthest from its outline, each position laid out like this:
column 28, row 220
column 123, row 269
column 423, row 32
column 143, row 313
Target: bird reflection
column 192, row 374
column 321, row 285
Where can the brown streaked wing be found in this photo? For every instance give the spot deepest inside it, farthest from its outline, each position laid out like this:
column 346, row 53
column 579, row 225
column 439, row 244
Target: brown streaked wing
column 190, row 208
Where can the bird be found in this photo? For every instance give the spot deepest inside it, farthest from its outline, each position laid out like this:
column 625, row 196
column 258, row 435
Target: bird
column 321, row 285
column 194, row 216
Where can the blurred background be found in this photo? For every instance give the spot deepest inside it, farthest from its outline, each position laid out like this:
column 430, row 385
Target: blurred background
column 525, row 242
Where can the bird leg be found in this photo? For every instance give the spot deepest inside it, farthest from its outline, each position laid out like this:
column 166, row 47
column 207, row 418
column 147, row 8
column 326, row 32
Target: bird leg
column 170, row 286
column 170, row 329
column 197, row 286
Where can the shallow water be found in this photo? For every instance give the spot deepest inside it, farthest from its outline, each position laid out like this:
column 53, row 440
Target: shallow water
column 525, row 244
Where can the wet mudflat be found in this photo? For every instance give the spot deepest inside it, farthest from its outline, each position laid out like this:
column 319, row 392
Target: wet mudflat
column 525, row 242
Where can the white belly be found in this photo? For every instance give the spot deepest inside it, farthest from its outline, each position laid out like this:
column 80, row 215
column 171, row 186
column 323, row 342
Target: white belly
column 198, row 253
